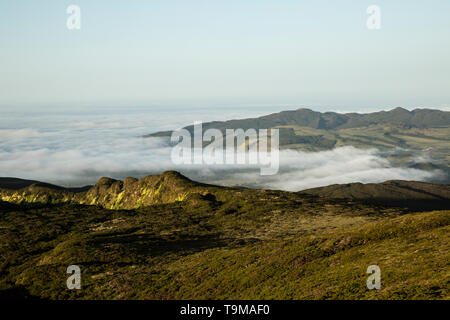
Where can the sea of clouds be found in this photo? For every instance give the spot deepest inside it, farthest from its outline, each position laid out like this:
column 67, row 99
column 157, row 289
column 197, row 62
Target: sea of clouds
column 77, row 148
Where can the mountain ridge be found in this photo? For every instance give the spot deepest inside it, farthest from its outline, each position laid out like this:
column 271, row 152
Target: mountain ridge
column 172, row 186
column 420, row 118
column 405, row 135
column 399, row 193
column 230, row 243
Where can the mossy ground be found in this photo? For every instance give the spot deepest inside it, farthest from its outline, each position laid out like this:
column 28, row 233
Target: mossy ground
column 260, row 245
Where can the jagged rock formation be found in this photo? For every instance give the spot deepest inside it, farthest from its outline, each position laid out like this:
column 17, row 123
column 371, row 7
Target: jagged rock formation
column 168, row 187
column 224, row 244
column 171, row 186
column 227, row 243
column 108, row 193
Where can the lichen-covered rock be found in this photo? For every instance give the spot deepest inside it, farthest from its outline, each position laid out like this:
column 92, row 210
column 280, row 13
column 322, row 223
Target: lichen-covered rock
column 109, row 193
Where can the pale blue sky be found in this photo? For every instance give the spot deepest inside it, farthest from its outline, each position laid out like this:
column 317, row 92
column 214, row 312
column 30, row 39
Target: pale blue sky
column 225, row 53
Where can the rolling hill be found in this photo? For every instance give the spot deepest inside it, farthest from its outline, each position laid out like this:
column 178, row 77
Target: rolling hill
column 410, row 194
column 404, row 135
column 171, row 186
column 419, row 118
column 167, row 237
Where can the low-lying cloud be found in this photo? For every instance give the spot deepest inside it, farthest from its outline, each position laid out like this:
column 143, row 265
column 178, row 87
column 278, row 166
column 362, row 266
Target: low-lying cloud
column 302, row 170
column 139, row 157
column 76, row 151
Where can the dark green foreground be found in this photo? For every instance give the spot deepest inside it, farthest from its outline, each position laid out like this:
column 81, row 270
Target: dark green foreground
column 255, row 245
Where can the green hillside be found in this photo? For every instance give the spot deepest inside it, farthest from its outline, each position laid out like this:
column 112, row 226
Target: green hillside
column 421, row 133
column 171, row 186
column 419, row 118
column 408, row 194
column 225, row 243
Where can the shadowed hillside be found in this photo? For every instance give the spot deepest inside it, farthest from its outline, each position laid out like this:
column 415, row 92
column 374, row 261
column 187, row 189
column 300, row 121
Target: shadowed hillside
column 16, row 184
column 407, row 194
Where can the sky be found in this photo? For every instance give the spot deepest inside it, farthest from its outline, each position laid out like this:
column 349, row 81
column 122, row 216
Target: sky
column 225, row 53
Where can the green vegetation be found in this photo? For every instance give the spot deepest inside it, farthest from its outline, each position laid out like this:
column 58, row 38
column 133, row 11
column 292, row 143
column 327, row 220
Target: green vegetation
column 419, row 118
column 197, row 241
column 421, row 133
column 171, row 187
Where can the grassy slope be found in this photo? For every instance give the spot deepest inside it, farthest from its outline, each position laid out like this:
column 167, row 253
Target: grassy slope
column 418, row 129
column 430, row 143
column 246, row 247
column 419, row 118
column 414, row 195
column 171, row 186
column 409, row 251
column 382, row 136
column 417, row 135
column 225, row 242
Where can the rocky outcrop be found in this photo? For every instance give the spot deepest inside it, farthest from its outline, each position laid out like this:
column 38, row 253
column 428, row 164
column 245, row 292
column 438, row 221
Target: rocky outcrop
column 131, row 193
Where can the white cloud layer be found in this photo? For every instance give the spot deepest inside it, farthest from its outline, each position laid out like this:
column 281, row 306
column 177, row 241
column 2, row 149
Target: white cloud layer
column 78, row 150
column 139, row 157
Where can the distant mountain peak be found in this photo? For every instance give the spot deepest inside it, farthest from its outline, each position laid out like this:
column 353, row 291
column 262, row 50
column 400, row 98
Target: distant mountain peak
column 303, row 117
column 105, row 181
column 170, row 186
column 400, row 110
column 175, row 175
